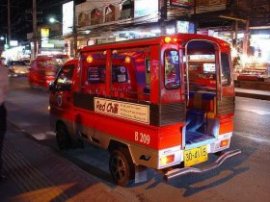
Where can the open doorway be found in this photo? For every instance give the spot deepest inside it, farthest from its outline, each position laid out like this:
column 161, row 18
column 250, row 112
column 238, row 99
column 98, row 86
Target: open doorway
column 201, row 86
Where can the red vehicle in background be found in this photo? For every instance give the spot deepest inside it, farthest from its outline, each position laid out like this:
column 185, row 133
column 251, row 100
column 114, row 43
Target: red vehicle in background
column 44, row 69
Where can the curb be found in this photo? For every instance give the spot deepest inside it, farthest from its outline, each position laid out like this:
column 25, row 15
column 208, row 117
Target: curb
column 254, row 96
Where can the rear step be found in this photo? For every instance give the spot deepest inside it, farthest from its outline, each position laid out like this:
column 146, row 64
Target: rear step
column 183, row 171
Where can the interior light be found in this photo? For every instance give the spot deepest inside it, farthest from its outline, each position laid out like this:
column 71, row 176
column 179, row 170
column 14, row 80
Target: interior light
column 89, row 59
column 127, row 59
column 167, row 39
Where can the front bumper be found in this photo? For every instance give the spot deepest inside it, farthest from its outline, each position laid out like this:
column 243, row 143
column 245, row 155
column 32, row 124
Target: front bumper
column 183, row 171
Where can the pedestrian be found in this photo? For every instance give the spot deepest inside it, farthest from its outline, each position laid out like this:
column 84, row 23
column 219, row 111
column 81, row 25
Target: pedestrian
column 3, row 113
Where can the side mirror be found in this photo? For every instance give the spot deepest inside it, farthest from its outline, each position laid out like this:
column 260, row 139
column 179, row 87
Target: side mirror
column 51, row 86
column 65, row 87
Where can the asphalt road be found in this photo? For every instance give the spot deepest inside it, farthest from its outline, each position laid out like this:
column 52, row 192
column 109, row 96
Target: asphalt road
column 244, row 178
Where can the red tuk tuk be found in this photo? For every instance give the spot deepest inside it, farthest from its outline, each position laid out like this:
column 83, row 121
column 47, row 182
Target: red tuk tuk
column 44, row 68
column 165, row 103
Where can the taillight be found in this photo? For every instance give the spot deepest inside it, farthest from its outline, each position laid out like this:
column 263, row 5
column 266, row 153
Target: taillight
column 164, row 160
column 224, row 143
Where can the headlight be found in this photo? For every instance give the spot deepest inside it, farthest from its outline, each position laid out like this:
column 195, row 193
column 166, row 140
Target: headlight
column 49, row 73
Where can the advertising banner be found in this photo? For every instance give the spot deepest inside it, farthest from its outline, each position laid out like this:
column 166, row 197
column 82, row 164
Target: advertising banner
column 125, row 110
column 67, row 10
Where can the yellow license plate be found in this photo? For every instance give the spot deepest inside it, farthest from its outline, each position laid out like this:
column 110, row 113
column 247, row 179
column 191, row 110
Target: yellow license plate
column 195, row 156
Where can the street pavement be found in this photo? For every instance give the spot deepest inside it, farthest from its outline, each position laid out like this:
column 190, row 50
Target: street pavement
column 37, row 173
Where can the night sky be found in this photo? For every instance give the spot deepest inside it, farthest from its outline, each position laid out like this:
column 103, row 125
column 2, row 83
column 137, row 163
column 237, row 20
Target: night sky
column 21, row 17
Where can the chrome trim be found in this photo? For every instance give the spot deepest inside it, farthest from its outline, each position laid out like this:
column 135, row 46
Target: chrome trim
column 183, row 171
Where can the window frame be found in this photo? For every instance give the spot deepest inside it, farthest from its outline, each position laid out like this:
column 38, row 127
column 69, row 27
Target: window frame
column 228, row 83
column 61, row 86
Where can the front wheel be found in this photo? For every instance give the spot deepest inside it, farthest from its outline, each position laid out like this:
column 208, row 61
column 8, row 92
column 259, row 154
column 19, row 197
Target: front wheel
column 62, row 137
column 121, row 166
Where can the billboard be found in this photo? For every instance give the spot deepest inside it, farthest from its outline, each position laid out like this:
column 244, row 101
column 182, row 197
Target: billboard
column 185, row 27
column 98, row 12
column 67, row 20
column 204, row 6
column 146, row 9
column 45, row 32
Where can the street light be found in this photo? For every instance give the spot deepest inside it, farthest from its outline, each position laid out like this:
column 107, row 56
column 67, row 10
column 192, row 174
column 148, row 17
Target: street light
column 5, row 40
column 52, row 20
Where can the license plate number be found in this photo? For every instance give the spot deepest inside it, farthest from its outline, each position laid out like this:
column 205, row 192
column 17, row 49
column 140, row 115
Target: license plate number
column 195, row 156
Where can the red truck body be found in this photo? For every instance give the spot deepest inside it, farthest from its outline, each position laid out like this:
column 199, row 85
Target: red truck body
column 165, row 103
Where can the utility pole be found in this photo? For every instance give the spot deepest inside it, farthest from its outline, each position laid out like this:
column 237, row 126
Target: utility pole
column 9, row 24
column 163, row 16
column 34, row 15
column 74, row 29
column 246, row 38
column 194, row 14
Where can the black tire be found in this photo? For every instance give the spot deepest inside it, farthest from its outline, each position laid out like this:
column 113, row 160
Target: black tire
column 62, row 137
column 79, row 144
column 121, row 166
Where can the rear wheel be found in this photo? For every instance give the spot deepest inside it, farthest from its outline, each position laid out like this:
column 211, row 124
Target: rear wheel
column 121, row 166
column 62, row 137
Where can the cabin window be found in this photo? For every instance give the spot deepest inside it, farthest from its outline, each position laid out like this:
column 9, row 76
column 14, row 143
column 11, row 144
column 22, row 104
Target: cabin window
column 96, row 74
column 225, row 73
column 202, row 71
column 96, row 67
column 128, row 73
column 172, row 71
column 147, row 75
column 65, row 76
column 119, row 74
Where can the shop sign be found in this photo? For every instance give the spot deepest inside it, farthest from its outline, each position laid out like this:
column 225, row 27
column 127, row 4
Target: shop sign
column 144, row 8
column 98, row 12
column 181, row 3
column 67, row 20
column 210, row 6
column 45, row 32
column 185, row 27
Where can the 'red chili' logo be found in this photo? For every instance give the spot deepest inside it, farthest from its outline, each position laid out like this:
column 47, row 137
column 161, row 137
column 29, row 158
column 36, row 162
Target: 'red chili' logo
column 108, row 107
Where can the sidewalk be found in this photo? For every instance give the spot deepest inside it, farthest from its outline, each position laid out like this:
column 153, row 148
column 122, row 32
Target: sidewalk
column 37, row 173
column 250, row 93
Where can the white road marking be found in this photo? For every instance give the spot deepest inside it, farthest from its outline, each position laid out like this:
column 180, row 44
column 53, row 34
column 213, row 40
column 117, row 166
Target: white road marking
column 253, row 137
column 43, row 136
